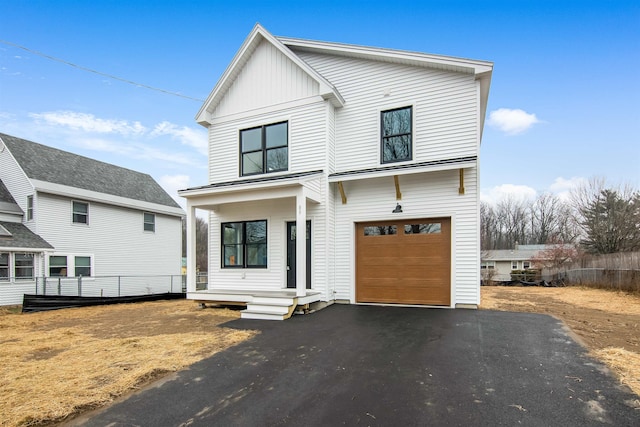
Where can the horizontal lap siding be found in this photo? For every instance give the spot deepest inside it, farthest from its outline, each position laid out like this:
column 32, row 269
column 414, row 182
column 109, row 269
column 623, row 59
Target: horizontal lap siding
column 445, row 108
column 277, row 213
column 17, row 183
column 428, row 195
column 115, row 236
column 307, row 140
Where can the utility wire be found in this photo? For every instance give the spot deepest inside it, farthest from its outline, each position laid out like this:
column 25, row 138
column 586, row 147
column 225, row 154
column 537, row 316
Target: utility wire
column 53, row 58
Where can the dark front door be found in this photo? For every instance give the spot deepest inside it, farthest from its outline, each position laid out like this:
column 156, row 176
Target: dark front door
column 291, row 254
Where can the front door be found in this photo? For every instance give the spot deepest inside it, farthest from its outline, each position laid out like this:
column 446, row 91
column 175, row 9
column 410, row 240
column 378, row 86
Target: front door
column 291, row 254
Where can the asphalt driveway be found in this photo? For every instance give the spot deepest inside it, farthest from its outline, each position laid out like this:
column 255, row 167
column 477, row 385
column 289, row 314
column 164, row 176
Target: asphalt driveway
column 389, row 366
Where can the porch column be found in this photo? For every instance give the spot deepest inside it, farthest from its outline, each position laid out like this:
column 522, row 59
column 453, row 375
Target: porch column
column 301, row 243
column 191, row 247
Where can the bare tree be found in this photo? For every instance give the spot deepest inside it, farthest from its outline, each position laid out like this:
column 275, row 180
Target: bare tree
column 202, row 243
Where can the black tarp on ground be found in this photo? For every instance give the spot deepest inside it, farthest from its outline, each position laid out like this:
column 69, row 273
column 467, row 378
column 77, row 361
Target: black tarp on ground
column 32, row 303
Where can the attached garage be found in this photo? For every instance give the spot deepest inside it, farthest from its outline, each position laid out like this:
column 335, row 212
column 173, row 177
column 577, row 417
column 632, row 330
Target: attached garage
column 404, row 262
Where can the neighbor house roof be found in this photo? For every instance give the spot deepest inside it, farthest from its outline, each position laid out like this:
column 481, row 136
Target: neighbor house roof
column 20, row 237
column 48, row 164
column 7, row 202
column 509, row 254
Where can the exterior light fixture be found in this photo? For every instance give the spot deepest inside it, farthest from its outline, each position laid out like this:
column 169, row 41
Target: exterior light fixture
column 397, row 209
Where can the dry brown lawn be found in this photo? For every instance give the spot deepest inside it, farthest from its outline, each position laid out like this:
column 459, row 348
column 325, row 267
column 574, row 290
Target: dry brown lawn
column 56, row 364
column 607, row 322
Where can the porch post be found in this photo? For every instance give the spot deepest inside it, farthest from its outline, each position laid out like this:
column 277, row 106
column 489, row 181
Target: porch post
column 191, row 247
column 301, row 243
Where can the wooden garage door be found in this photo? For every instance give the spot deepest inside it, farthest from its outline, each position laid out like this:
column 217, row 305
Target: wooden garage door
column 404, row 262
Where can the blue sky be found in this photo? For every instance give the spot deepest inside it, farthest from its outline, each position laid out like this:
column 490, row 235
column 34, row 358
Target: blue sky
column 564, row 104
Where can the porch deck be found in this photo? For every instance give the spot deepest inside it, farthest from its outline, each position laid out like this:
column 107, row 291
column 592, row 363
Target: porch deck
column 261, row 304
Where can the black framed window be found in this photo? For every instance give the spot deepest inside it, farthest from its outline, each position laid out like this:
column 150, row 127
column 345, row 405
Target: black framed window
column 395, row 134
column 244, row 244
column 80, row 213
column 264, row 149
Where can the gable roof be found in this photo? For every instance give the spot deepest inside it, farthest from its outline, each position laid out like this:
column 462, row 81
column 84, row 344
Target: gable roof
column 482, row 70
column 253, row 40
column 7, row 202
column 21, row 237
column 48, row 164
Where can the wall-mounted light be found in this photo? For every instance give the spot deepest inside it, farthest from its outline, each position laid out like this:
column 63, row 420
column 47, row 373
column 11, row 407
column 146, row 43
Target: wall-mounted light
column 397, row 209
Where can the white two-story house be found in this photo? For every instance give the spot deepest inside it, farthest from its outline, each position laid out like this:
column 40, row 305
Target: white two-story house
column 65, row 216
column 373, row 152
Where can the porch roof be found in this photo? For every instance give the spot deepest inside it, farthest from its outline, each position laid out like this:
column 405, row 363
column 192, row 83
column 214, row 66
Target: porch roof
column 19, row 238
column 258, row 188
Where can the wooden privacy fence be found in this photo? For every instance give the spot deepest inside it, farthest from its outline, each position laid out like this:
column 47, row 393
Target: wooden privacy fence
column 620, row 271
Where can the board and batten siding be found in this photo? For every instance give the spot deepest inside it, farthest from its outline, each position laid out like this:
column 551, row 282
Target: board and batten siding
column 277, row 212
column 115, row 237
column 425, row 195
column 268, row 78
column 445, row 115
column 307, row 140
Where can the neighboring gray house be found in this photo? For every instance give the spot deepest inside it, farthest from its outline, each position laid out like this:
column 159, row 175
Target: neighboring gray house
column 499, row 263
column 372, row 151
column 65, row 215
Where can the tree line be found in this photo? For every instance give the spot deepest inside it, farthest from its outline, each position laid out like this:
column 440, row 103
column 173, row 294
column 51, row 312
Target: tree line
column 596, row 218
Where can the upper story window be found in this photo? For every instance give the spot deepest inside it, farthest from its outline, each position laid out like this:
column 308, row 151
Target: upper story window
column 149, row 222
column 29, row 208
column 80, row 213
column 264, row 149
column 395, row 133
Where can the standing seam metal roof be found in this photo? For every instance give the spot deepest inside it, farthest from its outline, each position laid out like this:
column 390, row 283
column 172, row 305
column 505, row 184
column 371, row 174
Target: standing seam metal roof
column 61, row 167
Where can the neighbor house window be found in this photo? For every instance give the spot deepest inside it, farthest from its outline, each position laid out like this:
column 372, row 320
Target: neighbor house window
column 514, row 265
column 488, row 265
column 24, row 266
column 57, row 266
column 244, row 244
column 264, row 149
column 396, row 135
column 526, row 265
column 83, row 266
column 80, row 213
column 149, row 222
column 4, row 266
column 29, row 208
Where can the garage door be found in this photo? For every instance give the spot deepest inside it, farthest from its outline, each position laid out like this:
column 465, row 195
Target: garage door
column 404, row 262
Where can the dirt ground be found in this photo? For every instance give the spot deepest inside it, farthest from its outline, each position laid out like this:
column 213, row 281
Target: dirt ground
column 57, row 364
column 607, row 322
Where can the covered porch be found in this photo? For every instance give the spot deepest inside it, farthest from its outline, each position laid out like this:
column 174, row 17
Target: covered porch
column 264, row 288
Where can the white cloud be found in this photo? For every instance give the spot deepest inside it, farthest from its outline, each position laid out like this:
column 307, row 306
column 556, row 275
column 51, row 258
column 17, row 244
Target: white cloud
column 562, row 187
column 500, row 192
column 512, row 122
column 173, row 183
column 89, row 123
column 188, row 136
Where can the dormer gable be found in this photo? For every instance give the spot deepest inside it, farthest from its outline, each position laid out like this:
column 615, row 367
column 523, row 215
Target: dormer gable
column 261, row 74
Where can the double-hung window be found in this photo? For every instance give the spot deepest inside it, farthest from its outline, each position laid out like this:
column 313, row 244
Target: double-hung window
column 149, row 222
column 4, row 266
column 83, row 266
column 244, row 244
column 80, row 213
column 264, row 149
column 29, row 208
column 395, row 133
column 57, row 266
column 24, row 266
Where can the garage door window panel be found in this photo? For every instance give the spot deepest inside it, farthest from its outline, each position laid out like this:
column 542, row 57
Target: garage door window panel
column 380, row 230
column 426, row 228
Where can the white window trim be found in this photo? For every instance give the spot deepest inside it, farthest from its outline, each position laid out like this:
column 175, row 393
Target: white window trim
column 81, row 224
column 30, row 212
column 145, row 223
column 71, row 264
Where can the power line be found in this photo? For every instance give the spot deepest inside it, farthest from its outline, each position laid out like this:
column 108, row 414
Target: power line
column 53, row 58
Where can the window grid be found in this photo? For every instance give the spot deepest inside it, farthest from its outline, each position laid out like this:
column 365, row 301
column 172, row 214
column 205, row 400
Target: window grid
column 264, row 149
column 244, row 244
column 396, row 127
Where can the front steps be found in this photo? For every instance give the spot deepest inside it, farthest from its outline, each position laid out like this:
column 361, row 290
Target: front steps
column 269, row 308
column 263, row 305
